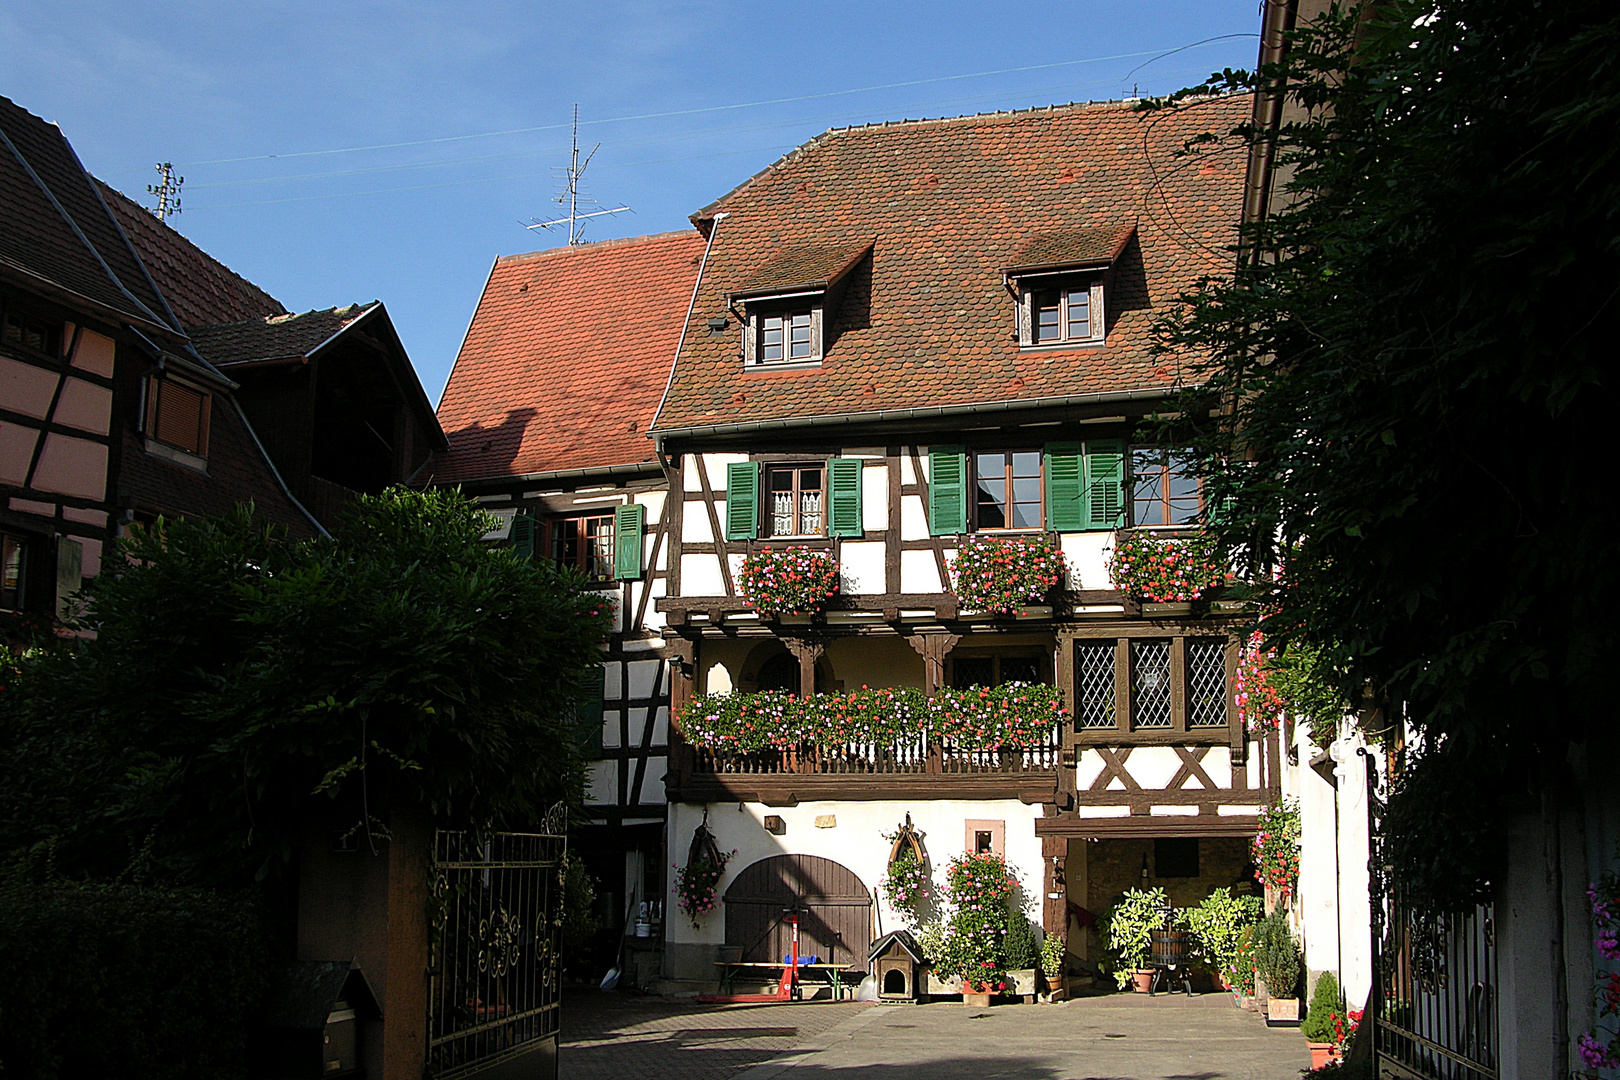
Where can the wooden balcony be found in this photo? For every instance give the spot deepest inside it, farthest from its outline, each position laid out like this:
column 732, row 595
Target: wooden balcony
column 911, row 768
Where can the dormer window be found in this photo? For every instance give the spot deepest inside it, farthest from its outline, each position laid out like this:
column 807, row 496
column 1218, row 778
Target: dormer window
column 176, row 418
column 1058, row 285
column 787, row 306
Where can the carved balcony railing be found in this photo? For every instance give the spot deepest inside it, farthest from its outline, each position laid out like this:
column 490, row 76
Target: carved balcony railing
column 920, row 755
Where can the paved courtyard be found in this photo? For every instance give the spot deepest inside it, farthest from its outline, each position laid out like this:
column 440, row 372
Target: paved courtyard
column 1119, row 1037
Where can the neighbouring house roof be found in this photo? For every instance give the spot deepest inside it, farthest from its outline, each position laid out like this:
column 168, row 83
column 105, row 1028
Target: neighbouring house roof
column 199, row 288
column 565, row 360
column 57, row 235
column 927, row 319
column 276, row 337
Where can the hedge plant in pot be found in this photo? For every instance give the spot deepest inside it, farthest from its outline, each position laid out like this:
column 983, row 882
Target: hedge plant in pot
column 1023, row 953
column 1131, row 923
column 1053, row 953
column 1320, row 1024
column 1276, row 961
column 1217, row 924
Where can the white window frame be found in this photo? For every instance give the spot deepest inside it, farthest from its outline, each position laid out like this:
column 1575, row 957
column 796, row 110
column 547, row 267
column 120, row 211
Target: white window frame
column 1064, row 284
column 758, row 311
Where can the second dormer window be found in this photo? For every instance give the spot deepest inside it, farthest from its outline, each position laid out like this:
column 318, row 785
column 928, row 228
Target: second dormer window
column 1061, row 310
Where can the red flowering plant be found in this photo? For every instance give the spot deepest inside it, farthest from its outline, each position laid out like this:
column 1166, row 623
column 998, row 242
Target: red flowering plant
column 1275, row 848
column 1165, row 570
column 980, row 889
column 696, row 884
column 1004, row 573
column 1013, row 716
column 791, row 579
column 1260, row 705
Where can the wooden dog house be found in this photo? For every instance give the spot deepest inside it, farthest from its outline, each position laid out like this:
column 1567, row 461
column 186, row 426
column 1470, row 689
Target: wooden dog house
column 897, row 964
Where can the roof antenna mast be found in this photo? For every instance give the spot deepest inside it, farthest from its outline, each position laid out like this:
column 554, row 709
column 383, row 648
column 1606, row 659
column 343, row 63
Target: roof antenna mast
column 572, row 197
column 168, row 192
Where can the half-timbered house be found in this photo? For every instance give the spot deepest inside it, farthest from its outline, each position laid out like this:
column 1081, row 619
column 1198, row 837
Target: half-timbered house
column 906, row 337
column 546, row 412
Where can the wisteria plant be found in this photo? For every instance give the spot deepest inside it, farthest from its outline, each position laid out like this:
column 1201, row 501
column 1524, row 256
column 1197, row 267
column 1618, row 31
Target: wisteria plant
column 908, row 885
column 1001, row 574
column 788, row 580
column 696, row 884
column 1165, row 570
column 1012, row 716
column 1275, row 848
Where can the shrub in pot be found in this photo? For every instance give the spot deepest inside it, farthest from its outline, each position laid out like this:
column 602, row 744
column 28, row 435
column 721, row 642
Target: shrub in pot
column 1276, row 961
column 1216, row 925
column 1130, row 926
column 1320, row 1025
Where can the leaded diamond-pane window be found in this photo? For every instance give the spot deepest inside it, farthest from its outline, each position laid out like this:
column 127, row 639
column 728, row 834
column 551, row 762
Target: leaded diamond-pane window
column 1150, row 670
column 1094, row 683
column 1206, row 682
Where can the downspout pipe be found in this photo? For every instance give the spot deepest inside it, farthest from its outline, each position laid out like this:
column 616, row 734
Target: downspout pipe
column 686, row 323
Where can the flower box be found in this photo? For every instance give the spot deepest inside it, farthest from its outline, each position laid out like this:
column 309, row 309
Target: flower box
column 778, row 582
column 1165, row 570
column 1004, row 574
column 1160, row 611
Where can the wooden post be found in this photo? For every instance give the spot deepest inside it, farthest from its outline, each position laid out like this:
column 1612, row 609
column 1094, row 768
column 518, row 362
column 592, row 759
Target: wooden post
column 933, row 648
column 807, row 652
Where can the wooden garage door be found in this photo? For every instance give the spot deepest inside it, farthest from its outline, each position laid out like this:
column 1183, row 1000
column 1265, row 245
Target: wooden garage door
column 835, row 910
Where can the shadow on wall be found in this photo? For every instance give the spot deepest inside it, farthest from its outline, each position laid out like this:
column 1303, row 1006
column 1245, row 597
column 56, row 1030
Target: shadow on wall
column 486, row 451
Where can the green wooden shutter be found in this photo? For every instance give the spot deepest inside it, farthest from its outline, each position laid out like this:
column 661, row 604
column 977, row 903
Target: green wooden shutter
column 627, row 525
column 1065, row 488
column 947, row 491
column 844, row 480
column 1105, row 484
column 588, row 714
column 524, row 530
column 742, row 500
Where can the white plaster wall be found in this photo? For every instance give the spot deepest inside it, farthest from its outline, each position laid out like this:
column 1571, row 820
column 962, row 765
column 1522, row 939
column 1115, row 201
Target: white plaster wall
column 875, row 496
column 913, row 515
column 602, row 783
column 695, row 525
column 861, row 566
column 655, row 620
column 719, row 679
column 643, row 676
column 1151, row 766
column 652, row 785
column 856, row 842
column 908, row 475
column 700, row 575
column 1087, row 556
column 874, row 662
column 919, row 573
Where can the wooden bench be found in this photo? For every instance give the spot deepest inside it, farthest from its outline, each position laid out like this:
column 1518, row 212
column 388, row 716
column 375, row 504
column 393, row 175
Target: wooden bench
column 730, row 969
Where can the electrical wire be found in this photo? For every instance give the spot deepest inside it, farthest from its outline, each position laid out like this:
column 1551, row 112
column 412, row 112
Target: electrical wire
column 721, row 108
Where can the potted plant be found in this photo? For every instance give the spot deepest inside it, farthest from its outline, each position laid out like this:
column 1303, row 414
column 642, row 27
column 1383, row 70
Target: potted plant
column 1239, row 972
column 1023, row 954
column 1165, row 571
column 1216, row 924
column 979, row 888
column 1131, row 923
column 791, row 580
column 1006, row 574
column 1320, row 1023
column 1276, row 959
column 1053, row 954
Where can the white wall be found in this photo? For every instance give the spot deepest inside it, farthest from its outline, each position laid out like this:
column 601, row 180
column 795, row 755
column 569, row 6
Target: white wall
column 856, row 841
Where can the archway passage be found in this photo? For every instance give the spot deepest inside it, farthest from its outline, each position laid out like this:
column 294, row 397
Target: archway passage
column 834, row 906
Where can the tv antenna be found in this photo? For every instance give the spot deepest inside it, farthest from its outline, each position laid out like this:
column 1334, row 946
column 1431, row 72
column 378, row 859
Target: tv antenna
column 168, row 192
column 572, row 197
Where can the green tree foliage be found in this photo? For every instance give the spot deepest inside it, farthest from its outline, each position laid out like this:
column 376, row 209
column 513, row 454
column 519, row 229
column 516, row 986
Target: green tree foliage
column 1318, row 1026
column 1417, row 356
column 1276, row 956
column 238, row 682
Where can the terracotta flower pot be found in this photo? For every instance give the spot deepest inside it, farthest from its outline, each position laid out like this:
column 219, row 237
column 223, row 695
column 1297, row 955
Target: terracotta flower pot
column 1142, row 981
column 1321, row 1054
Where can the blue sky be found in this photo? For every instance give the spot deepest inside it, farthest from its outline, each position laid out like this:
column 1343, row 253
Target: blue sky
column 287, row 118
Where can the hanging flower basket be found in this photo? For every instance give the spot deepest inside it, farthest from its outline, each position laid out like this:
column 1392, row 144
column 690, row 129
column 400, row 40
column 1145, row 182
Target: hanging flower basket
column 1259, row 705
column 795, row 580
column 1165, row 570
column 1275, row 849
column 1003, row 574
column 696, row 883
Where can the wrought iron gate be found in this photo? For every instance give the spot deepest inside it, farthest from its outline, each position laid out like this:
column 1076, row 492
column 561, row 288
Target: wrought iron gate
column 496, row 925
column 1433, row 1013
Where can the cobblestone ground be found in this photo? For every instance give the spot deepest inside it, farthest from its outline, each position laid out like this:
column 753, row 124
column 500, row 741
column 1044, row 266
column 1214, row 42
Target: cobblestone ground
column 1118, row 1037
column 624, row 1037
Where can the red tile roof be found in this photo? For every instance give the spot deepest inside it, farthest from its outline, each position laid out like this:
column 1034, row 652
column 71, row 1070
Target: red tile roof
column 1074, row 247
column 566, row 358
column 810, row 266
column 199, row 288
column 927, row 320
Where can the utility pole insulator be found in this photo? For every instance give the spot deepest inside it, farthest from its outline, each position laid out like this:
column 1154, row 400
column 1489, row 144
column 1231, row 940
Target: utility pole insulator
column 168, row 191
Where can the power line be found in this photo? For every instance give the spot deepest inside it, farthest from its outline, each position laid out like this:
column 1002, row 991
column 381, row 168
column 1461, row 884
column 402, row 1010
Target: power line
column 726, row 108
column 652, row 140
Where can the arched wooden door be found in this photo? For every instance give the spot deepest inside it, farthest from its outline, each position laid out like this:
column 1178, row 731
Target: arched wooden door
column 834, row 905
